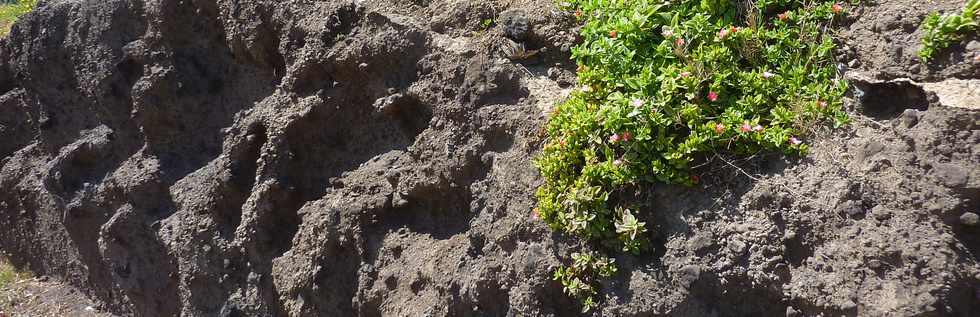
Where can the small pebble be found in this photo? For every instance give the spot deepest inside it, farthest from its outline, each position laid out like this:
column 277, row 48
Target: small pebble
column 874, row 264
column 969, row 219
column 791, row 312
column 973, row 46
column 910, row 117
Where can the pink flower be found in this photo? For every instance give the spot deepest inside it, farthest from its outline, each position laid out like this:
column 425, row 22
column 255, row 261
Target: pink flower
column 768, row 75
column 627, row 136
column 757, row 128
column 637, row 102
column 534, row 214
column 783, row 16
column 837, row 8
column 723, row 34
column 821, row 104
column 795, row 141
column 680, row 41
column 685, row 74
column 614, row 138
column 667, row 33
column 713, row 96
column 617, row 162
column 746, row 127
column 720, row 128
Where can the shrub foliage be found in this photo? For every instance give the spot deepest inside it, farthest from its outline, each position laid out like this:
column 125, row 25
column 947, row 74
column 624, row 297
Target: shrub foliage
column 943, row 31
column 663, row 85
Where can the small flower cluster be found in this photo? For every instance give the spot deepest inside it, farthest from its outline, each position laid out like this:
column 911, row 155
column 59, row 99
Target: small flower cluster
column 620, row 137
column 725, row 32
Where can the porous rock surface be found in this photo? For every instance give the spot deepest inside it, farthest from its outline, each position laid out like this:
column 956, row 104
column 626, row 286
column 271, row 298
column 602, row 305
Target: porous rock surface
column 369, row 158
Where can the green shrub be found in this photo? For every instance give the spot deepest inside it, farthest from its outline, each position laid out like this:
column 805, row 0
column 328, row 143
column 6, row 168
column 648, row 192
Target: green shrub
column 943, row 31
column 9, row 13
column 667, row 83
column 580, row 278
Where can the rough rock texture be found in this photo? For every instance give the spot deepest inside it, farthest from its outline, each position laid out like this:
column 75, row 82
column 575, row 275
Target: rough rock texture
column 884, row 40
column 274, row 158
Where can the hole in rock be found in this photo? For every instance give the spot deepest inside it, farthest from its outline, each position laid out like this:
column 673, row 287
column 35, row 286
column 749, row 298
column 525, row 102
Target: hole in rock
column 970, row 237
column 887, row 100
column 796, row 250
column 499, row 140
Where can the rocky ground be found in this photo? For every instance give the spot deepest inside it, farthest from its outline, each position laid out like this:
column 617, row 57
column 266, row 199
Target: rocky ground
column 372, row 158
column 24, row 295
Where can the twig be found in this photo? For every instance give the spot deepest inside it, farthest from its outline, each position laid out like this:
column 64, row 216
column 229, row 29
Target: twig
column 703, row 164
column 525, row 69
column 736, row 167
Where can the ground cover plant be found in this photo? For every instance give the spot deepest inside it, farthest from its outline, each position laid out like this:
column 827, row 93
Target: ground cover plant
column 10, row 12
column 9, row 274
column 941, row 31
column 665, row 84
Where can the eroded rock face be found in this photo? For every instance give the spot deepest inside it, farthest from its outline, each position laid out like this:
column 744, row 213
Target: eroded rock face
column 273, row 158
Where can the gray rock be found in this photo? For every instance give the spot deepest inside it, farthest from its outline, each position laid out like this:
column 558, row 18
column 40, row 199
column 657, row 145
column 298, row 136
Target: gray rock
column 701, row 241
column 792, row 312
column 852, row 208
column 969, row 219
column 689, row 274
column 515, row 23
column 973, row 46
column 951, row 175
column 909, row 118
column 881, row 213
